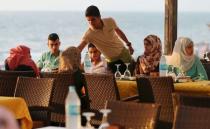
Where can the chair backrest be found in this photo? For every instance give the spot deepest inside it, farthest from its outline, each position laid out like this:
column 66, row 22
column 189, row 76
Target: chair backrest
column 133, row 115
column 158, row 90
column 37, row 94
column 191, row 100
column 61, row 86
column 187, row 117
column 59, row 94
column 101, row 88
column 35, row 91
column 207, row 68
column 9, row 79
column 7, row 86
column 17, row 73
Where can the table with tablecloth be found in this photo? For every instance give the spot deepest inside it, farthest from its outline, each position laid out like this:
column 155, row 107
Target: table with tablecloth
column 199, row 87
column 51, row 127
column 20, row 110
column 129, row 88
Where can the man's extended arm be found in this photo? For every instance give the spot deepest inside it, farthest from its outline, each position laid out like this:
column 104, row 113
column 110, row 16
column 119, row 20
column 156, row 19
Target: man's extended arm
column 82, row 45
column 124, row 38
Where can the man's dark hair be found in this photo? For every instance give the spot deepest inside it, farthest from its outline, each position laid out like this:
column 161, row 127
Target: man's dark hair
column 90, row 45
column 53, row 37
column 92, row 11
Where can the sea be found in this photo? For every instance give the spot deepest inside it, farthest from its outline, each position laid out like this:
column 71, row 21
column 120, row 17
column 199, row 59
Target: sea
column 32, row 28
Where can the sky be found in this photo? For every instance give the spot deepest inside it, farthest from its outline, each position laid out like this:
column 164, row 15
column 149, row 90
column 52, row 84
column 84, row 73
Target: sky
column 105, row 5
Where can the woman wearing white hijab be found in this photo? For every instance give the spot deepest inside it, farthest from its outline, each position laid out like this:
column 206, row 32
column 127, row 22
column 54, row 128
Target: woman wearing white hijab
column 183, row 57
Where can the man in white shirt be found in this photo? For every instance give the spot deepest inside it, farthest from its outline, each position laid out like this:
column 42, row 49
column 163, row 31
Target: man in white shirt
column 99, row 64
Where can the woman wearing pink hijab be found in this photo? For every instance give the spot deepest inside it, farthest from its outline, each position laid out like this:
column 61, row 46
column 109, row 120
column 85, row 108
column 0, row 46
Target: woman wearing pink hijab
column 20, row 60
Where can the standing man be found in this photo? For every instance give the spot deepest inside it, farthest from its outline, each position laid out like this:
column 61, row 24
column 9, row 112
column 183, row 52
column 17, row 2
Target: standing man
column 108, row 39
column 49, row 61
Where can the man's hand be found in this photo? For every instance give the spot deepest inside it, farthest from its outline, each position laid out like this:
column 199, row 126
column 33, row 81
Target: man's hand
column 82, row 45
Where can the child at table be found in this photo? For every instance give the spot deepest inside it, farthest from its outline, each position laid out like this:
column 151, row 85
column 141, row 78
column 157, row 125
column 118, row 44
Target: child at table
column 70, row 61
column 99, row 64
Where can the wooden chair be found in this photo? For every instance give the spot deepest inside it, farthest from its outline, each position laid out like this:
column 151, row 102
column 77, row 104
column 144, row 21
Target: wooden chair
column 59, row 94
column 37, row 94
column 8, row 81
column 100, row 88
column 207, row 68
column 187, row 117
column 16, row 74
column 7, row 86
column 133, row 115
column 194, row 100
column 158, row 90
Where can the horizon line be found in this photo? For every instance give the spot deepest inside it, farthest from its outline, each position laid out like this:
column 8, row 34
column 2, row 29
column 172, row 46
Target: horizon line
column 129, row 11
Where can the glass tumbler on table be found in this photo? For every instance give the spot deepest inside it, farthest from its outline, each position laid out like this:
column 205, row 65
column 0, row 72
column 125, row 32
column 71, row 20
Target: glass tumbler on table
column 127, row 73
column 117, row 73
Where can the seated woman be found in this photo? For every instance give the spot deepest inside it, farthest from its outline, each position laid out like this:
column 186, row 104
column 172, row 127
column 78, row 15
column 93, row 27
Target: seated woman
column 185, row 60
column 20, row 60
column 148, row 63
column 99, row 64
column 70, row 61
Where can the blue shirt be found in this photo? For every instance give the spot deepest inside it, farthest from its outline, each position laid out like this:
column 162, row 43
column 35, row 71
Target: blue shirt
column 197, row 70
column 48, row 62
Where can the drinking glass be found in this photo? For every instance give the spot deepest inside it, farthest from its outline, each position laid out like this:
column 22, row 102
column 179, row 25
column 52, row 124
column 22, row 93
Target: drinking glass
column 181, row 72
column 117, row 73
column 88, row 116
column 105, row 123
column 127, row 73
column 206, row 57
column 172, row 72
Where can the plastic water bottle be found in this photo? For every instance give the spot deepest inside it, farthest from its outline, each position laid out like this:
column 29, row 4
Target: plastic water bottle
column 163, row 67
column 72, row 107
column 2, row 66
column 87, row 64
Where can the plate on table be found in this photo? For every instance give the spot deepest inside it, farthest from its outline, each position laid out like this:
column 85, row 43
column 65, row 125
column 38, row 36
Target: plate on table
column 184, row 79
column 130, row 78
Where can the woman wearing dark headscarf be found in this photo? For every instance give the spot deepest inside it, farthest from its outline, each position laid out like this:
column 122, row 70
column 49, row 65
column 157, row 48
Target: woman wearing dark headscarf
column 20, row 60
column 149, row 61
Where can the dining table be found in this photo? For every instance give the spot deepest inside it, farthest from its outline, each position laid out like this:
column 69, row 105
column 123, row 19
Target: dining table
column 128, row 88
column 51, row 127
column 19, row 108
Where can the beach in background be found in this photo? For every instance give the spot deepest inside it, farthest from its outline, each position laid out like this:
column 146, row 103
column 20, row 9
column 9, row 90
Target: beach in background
column 32, row 28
